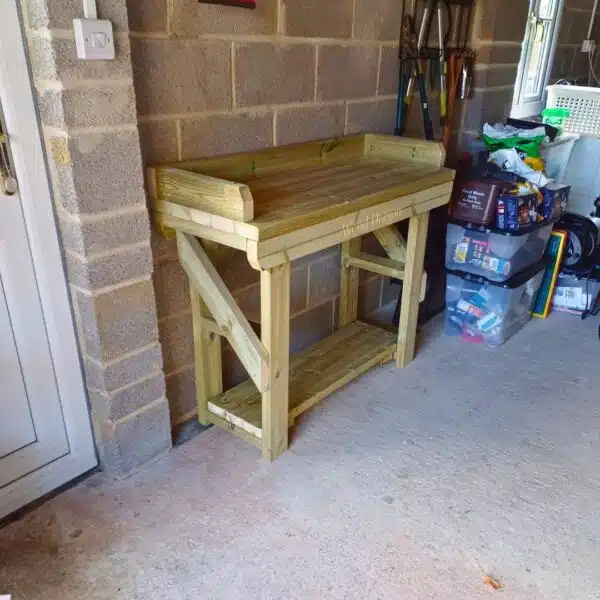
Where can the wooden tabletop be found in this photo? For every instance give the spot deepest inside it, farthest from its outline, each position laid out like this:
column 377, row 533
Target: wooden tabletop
column 316, row 188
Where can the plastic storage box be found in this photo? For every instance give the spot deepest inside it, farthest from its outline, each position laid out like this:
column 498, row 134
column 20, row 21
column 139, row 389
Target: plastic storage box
column 490, row 312
column 494, row 253
column 575, row 293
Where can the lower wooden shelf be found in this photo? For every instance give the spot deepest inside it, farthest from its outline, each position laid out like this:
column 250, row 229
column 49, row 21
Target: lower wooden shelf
column 314, row 374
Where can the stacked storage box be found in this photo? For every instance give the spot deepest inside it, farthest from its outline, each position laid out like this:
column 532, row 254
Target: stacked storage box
column 576, row 294
column 488, row 311
column 495, row 246
column 493, row 253
column 494, row 273
column 493, row 279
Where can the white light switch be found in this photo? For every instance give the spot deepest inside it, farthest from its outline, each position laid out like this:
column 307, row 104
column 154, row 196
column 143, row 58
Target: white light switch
column 94, row 39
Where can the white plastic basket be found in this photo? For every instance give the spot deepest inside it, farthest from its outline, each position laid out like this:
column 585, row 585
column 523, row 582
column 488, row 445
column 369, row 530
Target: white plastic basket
column 584, row 104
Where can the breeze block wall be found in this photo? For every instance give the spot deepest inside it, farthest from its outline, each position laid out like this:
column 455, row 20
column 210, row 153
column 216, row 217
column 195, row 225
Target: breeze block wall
column 497, row 36
column 569, row 62
column 212, row 80
column 89, row 126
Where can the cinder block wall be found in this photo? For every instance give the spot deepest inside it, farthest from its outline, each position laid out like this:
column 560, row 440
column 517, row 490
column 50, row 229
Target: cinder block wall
column 497, row 35
column 569, row 61
column 212, row 80
column 89, row 125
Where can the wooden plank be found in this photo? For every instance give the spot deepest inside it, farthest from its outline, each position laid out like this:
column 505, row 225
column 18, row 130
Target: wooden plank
column 163, row 230
column 313, row 174
column 275, row 335
column 208, row 371
column 376, row 264
column 312, row 209
column 314, row 374
column 392, row 241
column 201, row 231
column 430, row 205
column 226, row 312
column 349, row 283
column 336, row 361
column 358, row 222
column 314, row 244
column 166, row 232
column 364, row 179
column 411, row 289
column 231, row 427
column 211, row 325
column 194, row 215
column 287, row 189
column 305, row 210
column 217, row 196
column 248, row 166
column 407, row 149
column 268, row 253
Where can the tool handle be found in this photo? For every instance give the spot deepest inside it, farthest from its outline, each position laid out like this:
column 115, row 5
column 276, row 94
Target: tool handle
column 427, row 122
column 443, row 99
column 420, row 42
column 401, row 106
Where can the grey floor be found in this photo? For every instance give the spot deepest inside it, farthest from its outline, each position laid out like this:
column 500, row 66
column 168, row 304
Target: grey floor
column 409, row 484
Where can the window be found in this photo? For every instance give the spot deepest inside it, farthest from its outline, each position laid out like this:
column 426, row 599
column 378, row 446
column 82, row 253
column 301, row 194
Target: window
column 536, row 57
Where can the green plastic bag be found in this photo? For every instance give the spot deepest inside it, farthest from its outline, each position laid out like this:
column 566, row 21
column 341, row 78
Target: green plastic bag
column 525, row 147
column 556, row 117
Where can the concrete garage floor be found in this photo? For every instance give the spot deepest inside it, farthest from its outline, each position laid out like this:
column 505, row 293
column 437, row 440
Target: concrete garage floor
column 405, row 485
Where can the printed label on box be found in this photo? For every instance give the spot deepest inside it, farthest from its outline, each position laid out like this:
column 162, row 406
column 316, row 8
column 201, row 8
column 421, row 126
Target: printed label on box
column 572, row 297
column 460, row 253
column 470, row 309
column 489, row 322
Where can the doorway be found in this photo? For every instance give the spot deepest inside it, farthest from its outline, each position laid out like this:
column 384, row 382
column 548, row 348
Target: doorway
column 45, row 433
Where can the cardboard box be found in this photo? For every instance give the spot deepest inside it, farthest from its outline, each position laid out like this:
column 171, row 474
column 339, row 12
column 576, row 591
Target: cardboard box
column 556, row 198
column 474, row 200
column 514, row 212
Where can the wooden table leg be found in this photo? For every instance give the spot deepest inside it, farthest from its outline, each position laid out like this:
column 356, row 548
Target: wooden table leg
column 207, row 357
column 275, row 336
column 349, row 284
column 411, row 288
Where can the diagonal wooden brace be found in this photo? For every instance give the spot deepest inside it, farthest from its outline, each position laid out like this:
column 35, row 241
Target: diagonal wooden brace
column 376, row 264
column 393, row 242
column 227, row 314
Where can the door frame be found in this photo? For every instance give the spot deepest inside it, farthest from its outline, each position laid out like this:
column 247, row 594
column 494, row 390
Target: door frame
column 23, row 129
column 521, row 109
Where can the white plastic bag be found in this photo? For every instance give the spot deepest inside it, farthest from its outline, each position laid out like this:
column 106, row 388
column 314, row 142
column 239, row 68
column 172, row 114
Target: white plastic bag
column 500, row 131
column 509, row 160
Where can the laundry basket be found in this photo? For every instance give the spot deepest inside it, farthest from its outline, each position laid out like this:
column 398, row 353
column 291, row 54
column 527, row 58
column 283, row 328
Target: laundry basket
column 584, row 104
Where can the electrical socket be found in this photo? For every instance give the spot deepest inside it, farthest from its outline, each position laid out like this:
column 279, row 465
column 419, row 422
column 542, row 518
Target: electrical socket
column 588, row 46
column 94, row 39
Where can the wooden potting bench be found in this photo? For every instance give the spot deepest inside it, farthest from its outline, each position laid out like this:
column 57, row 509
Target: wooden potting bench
column 278, row 205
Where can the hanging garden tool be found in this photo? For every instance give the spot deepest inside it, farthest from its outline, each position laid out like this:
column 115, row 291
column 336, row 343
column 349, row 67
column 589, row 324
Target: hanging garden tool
column 441, row 40
column 413, row 51
column 439, row 55
column 420, row 77
column 420, row 42
column 461, row 62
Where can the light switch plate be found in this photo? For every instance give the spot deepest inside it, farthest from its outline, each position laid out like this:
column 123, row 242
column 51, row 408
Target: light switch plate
column 94, row 39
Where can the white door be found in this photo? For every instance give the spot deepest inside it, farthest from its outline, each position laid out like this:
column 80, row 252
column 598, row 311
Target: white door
column 32, row 431
column 45, row 433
